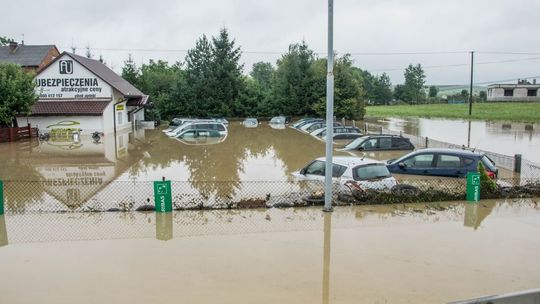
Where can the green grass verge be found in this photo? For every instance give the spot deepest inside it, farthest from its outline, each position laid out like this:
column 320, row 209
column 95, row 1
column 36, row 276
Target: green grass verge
column 517, row 112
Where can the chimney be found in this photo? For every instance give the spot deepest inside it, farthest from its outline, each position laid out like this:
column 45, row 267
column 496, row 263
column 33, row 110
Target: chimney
column 13, row 46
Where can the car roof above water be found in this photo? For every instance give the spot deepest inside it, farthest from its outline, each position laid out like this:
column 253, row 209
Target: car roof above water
column 463, row 152
column 351, row 161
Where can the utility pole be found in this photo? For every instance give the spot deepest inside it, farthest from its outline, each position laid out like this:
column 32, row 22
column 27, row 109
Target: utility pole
column 470, row 101
column 329, row 110
column 471, row 86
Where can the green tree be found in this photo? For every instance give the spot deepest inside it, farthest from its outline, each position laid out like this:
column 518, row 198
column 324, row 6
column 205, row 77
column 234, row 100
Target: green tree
column 227, row 72
column 17, row 93
column 382, row 89
column 158, row 80
column 130, row 72
column 198, row 78
column 399, row 92
column 414, row 84
column 348, row 93
column 433, row 91
column 295, row 89
column 5, row 41
column 483, row 96
column 262, row 73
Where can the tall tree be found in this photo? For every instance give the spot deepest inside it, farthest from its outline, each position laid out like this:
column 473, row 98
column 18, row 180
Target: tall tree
column 433, row 91
column 198, row 78
column 130, row 72
column 227, row 72
column 414, row 84
column 348, row 93
column 382, row 90
column 17, row 93
column 294, row 88
column 262, row 73
column 158, row 79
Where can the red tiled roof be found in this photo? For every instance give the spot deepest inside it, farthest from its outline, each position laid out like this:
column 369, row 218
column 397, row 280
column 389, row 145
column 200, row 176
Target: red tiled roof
column 70, row 107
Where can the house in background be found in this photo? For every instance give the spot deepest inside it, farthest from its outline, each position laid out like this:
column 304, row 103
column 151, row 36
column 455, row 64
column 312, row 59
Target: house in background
column 79, row 93
column 31, row 57
column 522, row 91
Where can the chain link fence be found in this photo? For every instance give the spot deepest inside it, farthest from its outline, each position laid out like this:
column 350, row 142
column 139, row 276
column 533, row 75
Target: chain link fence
column 34, row 197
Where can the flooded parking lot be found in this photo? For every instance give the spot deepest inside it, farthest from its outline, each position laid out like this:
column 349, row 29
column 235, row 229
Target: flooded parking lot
column 250, row 166
column 508, row 138
column 413, row 253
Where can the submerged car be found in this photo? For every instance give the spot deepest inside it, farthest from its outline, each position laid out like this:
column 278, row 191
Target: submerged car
column 379, row 143
column 278, row 120
column 350, row 173
column 317, row 125
column 442, row 162
column 200, row 137
column 321, row 133
column 250, row 122
column 199, row 125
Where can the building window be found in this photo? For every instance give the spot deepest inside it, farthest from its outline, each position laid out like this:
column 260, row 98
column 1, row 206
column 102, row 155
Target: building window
column 508, row 92
column 532, row 93
column 119, row 118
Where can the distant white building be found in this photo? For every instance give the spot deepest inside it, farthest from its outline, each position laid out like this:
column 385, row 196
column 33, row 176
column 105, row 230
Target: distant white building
column 522, row 91
column 76, row 92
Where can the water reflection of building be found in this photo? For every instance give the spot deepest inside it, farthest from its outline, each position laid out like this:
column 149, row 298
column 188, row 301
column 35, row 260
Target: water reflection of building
column 67, row 173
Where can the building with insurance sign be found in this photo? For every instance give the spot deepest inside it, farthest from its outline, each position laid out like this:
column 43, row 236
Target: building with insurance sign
column 78, row 93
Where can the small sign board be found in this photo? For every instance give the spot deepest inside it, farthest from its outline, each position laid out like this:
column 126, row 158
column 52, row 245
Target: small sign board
column 473, row 186
column 120, row 107
column 163, row 196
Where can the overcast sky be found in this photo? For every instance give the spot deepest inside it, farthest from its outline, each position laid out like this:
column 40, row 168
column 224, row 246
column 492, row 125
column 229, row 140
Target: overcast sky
column 115, row 28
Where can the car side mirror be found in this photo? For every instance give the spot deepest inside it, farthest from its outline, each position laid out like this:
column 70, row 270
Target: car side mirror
column 303, row 171
column 402, row 165
column 360, row 148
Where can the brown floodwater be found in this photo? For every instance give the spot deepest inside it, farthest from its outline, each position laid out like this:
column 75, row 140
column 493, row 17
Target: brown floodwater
column 249, row 163
column 416, row 253
column 508, row 138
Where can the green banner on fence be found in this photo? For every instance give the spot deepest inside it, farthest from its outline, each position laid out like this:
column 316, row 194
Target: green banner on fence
column 1, row 197
column 473, row 187
column 162, row 196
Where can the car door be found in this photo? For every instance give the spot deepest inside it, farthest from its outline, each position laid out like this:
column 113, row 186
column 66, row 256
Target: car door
column 369, row 144
column 449, row 165
column 419, row 164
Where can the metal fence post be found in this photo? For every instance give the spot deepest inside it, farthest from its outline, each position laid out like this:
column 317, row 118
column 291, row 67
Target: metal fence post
column 354, row 123
column 381, row 130
column 1, row 197
column 517, row 163
column 427, row 141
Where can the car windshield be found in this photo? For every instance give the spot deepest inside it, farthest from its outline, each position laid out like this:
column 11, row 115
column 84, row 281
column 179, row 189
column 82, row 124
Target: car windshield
column 354, row 144
column 371, row 171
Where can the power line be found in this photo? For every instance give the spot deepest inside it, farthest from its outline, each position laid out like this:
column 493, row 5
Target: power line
column 462, row 64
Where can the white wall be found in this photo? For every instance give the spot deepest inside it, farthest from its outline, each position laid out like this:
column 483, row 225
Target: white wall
column 49, row 83
column 88, row 124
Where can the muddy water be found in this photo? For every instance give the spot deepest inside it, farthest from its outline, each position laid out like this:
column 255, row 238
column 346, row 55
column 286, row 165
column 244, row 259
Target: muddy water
column 508, row 138
column 63, row 172
column 368, row 254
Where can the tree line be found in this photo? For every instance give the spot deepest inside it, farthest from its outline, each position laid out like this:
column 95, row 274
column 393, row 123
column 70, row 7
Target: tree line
column 210, row 81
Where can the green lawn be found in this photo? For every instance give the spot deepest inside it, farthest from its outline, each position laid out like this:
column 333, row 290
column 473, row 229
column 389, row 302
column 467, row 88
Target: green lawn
column 518, row 112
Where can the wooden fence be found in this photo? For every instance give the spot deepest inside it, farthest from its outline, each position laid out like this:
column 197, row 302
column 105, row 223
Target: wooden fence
column 14, row 134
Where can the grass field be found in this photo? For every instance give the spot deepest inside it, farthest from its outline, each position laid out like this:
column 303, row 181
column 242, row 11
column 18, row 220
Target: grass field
column 518, row 112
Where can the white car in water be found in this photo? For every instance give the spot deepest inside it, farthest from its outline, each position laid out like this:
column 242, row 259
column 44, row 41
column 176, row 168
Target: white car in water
column 350, row 173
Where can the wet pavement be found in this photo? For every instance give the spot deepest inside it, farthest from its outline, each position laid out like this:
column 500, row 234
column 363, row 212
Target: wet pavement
column 417, row 253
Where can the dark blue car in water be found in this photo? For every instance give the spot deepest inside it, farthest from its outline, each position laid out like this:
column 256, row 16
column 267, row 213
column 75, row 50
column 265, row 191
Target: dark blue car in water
column 442, row 162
